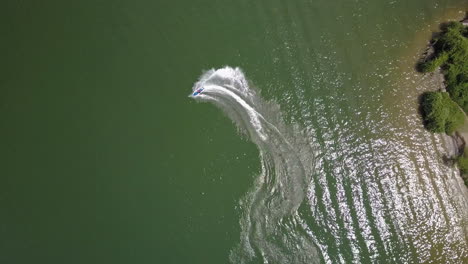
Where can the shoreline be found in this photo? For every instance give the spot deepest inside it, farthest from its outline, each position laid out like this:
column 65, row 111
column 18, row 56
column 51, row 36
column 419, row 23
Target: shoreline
column 459, row 136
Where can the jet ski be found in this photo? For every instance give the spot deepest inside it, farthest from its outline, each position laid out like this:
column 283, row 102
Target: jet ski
column 198, row 91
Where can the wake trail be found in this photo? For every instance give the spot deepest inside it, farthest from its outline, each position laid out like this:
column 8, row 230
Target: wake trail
column 270, row 226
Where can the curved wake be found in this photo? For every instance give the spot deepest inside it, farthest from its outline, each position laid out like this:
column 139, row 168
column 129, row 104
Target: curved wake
column 271, row 225
column 332, row 196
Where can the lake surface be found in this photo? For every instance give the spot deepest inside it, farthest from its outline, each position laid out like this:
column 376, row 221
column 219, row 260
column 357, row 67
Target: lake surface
column 306, row 146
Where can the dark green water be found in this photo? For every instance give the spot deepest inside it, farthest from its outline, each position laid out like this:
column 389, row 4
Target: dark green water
column 105, row 158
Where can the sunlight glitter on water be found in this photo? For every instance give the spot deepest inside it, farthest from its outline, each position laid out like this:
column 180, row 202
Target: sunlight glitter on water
column 368, row 194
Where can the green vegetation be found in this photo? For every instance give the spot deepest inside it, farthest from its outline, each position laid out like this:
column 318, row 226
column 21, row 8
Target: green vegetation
column 431, row 65
column 462, row 163
column 440, row 113
column 451, row 54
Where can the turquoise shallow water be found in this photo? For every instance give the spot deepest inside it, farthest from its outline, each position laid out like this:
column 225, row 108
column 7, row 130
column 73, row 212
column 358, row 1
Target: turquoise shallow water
column 106, row 159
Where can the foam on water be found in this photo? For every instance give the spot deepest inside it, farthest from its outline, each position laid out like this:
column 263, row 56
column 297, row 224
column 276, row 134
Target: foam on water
column 270, row 223
column 325, row 196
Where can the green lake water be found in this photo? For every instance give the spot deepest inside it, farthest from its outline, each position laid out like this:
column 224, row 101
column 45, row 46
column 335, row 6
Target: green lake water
column 311, row 151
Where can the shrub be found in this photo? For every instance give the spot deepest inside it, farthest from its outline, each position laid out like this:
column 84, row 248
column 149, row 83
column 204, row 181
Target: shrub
column 451, row 54
column 462, row 162
column 459, row 93
column 440, row 113
column 431, row 65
